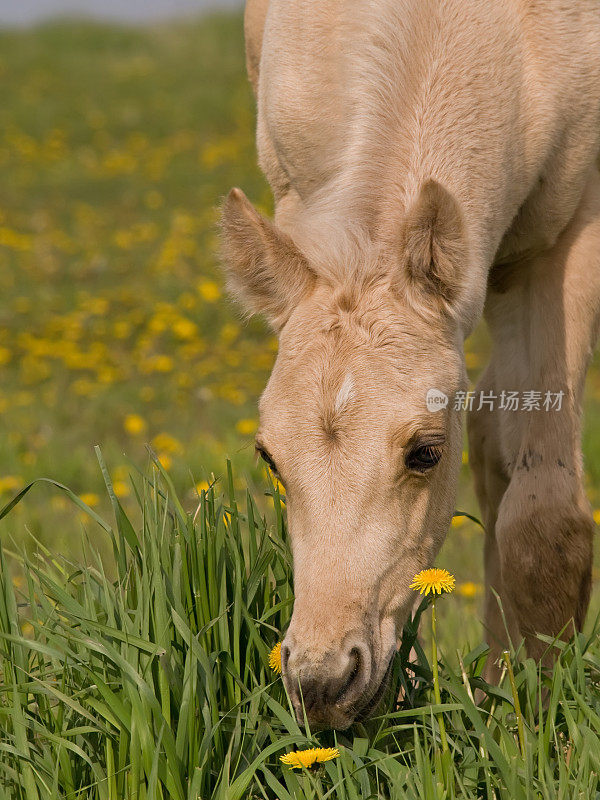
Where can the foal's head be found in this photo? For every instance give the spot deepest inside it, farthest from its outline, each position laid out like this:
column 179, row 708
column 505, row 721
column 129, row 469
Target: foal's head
column 369, row 470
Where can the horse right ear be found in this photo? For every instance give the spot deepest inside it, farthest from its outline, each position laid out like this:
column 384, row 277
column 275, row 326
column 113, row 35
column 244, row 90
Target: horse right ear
column 265, row 269
column 433, row 248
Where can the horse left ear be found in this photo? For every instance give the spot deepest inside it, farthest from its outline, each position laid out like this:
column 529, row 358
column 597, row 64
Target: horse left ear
column 265, row 269
column 433, row 247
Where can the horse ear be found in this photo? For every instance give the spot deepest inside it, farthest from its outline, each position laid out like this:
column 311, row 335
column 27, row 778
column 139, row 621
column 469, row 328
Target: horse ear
column 265, row 269
column 433, row 247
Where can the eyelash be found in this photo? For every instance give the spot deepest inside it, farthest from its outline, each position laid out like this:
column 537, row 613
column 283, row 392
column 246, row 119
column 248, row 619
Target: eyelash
column 267, row 459
column 430, row 454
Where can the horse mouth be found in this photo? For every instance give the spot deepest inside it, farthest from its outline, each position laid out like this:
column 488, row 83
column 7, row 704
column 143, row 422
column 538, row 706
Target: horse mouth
column 367, row 709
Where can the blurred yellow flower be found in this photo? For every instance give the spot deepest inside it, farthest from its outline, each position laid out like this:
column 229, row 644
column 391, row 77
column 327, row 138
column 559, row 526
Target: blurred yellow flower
column 134, row 424
column 122, row 329
column 157, row 363
column 84, row 387
column 458, row 521
column 469, row 589
column 121, row 489
column 184, row 381
column 209, row 291
column 223, row 150
column 96, row 305
column 14, row 239
column 229, row 332
column 165, row 459
column 597, row 516
column 184, row 328
column 10, row 483
column 233, row 395
column 167, row 443
column 246, row 427
column 89, row 498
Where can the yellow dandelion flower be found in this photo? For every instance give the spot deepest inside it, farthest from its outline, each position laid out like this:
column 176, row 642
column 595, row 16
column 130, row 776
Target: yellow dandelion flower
column 308, row 758
column 275, row 658
column 433, row 580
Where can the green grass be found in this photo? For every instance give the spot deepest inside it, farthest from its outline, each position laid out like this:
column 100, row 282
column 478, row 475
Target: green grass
column 156, row 684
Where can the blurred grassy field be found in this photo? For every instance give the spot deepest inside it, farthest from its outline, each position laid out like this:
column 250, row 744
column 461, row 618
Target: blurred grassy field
column 115, row 147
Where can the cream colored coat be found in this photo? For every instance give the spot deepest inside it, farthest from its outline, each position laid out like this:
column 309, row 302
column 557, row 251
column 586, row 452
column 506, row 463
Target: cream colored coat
column 431, row 160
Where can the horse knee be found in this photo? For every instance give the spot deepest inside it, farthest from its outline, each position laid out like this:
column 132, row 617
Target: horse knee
column 545, row 548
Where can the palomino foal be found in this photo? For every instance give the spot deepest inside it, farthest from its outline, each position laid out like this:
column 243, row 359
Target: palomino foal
column 431, row 160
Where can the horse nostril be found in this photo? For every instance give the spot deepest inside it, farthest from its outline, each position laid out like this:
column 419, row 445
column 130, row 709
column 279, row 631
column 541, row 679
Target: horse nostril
column 356, row 662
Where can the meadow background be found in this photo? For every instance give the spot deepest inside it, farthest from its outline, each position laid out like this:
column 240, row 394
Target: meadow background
column 116, row 146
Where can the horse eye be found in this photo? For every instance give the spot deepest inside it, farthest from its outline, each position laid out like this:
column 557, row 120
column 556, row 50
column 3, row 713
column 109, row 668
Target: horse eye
column 267, row 459
column 423, row 457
